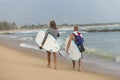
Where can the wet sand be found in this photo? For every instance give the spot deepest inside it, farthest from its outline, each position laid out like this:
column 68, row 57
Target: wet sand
column 27, row 64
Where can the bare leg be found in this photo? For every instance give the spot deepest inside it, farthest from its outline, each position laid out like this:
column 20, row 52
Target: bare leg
column 55, row 60
column 49, row 58
column 73, row 64
column 79, row 63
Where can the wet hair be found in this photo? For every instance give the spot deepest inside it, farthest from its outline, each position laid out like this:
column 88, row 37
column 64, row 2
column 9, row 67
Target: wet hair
column 53, row 24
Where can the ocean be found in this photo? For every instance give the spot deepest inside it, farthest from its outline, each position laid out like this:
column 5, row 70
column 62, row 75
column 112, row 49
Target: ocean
column 102, row 48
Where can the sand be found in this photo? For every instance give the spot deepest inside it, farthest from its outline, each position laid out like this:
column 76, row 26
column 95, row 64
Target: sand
column 20, row 65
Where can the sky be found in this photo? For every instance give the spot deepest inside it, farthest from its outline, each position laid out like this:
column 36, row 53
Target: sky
column 62, row 11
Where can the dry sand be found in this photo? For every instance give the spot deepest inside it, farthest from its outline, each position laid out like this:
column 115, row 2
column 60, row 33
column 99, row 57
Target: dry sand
column 19, row 65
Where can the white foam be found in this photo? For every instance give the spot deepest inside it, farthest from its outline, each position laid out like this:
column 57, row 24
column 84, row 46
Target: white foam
column 118, row 59
column 62, row 32
column 11, row 36
column 2, row 35
column 29, row 46
column 29, row 31
column 8, row 36
column 66, row 28
column 26, row 38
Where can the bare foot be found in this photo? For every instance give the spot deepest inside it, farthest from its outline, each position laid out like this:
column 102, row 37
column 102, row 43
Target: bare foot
column 48, row 65
column 79, row 69
column 55, row 68
column 73, row 68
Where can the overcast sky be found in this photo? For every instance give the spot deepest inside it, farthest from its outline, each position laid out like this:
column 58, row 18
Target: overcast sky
column 62, row 11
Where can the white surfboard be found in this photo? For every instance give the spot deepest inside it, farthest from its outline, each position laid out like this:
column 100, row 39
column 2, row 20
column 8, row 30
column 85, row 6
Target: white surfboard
column 50, row 44
column 73, row 51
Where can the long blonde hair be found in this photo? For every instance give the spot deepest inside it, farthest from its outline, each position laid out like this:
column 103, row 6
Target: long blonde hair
column 53, row 24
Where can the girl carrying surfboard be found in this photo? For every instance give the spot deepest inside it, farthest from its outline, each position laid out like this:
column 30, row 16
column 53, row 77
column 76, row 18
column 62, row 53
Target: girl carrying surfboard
column 52, row 30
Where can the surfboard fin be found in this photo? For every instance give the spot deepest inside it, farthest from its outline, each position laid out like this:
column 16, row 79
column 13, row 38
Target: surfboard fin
column 40, row 47
column 59, row 53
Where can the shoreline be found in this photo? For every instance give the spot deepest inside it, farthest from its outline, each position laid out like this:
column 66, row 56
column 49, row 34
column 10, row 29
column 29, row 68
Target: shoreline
column 62, row 66
column 66, row 28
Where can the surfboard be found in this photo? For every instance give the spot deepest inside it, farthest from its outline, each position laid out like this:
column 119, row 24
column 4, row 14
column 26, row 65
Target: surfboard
column 73, row 51
column 51, row 44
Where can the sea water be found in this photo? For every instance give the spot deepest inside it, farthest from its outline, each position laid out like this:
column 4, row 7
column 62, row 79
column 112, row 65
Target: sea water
column 102, row 48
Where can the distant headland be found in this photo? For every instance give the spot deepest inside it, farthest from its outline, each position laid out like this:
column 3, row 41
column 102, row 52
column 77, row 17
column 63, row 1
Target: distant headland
column 5, row 25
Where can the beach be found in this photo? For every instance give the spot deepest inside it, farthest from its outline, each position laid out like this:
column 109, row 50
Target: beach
column 27, row 64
